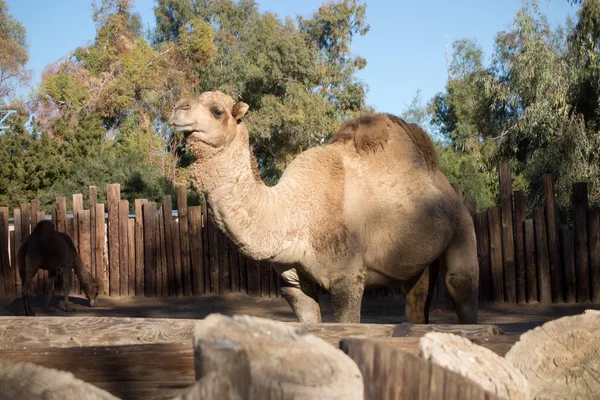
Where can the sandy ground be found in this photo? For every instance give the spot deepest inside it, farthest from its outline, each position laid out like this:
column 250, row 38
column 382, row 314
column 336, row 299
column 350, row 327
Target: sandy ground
column 514, row 319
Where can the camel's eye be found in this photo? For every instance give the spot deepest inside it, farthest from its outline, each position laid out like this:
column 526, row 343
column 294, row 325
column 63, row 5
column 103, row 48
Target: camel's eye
column 185, row 106
column 217, row 113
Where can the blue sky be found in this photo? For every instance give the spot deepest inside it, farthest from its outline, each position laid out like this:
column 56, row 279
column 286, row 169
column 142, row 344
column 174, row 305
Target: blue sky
column 405, row 47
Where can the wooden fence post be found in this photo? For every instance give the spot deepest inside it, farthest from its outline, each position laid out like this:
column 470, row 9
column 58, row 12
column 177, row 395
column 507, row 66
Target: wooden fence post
column 139, row 247
column 205, row 246
column 182, row 213
column 553, row 239
column 582, row 269
column 224, row 275
column 508, row 246
column 483, row 254
column 162, row 284
column 519, row 201
column 61, row 214
column 124, row 247
column 149, row 214
column 8, row 276
column 196, row 249
column 177, row 257
column 93, row 200
column 84, row 235
column 77, row 206
column 113, row 196
column 99, row 246
column 167, row 208
column 530, row 261
column 541, row 251
column 568, row 253
column 594, row 241
column 213, row 234
column 497, row 277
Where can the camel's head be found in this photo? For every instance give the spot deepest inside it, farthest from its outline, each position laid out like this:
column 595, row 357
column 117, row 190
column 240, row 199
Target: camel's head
column 93, row 293
column 209, row 122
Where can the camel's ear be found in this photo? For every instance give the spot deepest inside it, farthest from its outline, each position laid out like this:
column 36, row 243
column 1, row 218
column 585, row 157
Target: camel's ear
column 239, row 109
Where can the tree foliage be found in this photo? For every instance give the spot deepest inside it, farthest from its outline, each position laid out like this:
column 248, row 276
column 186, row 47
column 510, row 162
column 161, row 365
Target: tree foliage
column 13, row 53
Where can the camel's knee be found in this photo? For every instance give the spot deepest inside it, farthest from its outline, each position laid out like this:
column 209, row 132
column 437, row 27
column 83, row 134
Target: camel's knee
column 301, row 296
column 463, row 290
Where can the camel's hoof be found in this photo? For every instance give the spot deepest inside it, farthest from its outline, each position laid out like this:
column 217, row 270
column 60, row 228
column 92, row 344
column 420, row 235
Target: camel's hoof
column 49, row 309
column 69, row 308
column 29, row 313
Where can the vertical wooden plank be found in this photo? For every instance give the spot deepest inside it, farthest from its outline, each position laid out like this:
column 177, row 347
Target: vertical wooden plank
column 508, row 246
column 497, row 276
column 167, row 217
column 131, row 242
column 265, row 278
column 101, row 272
column 77, row 206
column 483, row 254
column 568, row 254
column 205, row 248
column 113, row 196
column 42, row 275
column 182, row 213
column 552, row 228
column 594, row 242
column 243, row 267
column 541, row 251
column 234, row 267
column 93, row 200
column 177, row 257
column 253, row 277
column 35, row 209
column 17, row 244
column 54, row 217
column 25, row 221
column 149, row 215
column 471, row 204
column 164, row 275
column 13, row 260
column 582, row 266
column 273, row 276
column 196, row 257
column 214, row 253
column 162, row 284
column 519, row 203
column 7, row 273
column 224, row 272
column 84, row 235
column 26, row 231
column 61, row 214
column 124, row 247
column 139, row 247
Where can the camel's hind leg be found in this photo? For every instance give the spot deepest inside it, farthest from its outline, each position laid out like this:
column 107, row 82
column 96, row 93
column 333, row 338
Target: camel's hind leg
column 418, row 293
column 460, row 270
column 346, row 298
column 301, row 296
column 50, row 290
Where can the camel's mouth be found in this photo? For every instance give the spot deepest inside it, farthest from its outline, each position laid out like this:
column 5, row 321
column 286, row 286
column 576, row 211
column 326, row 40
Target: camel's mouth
column 186, row 129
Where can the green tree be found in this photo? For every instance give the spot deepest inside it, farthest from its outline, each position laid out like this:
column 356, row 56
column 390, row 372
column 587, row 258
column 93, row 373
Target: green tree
column 13, row 53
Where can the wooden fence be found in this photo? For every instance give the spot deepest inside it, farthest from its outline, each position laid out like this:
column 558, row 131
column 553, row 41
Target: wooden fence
column 155, row 251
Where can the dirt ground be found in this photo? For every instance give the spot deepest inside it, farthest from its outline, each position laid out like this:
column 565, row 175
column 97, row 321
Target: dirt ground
column 514, row 319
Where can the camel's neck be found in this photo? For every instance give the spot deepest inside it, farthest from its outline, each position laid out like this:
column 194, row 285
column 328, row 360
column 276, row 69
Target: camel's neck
column 243, row 206
column 85, row 278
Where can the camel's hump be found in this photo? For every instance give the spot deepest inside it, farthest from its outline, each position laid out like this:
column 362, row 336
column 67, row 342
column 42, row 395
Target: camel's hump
column 370, row 134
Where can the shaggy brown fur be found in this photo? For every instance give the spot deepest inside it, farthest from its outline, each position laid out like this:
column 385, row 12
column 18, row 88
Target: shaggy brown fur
column 370, row 133
column 54, row 252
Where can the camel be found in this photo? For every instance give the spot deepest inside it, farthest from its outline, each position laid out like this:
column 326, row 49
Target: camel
column 369, row 208
column 54, row 252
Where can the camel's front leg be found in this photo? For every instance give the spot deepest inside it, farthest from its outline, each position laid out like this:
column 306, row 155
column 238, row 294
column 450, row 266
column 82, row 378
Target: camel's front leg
column 301, row 296
column 67, row 287
column 346, row 298
column 26, row 290
column 50, row 291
